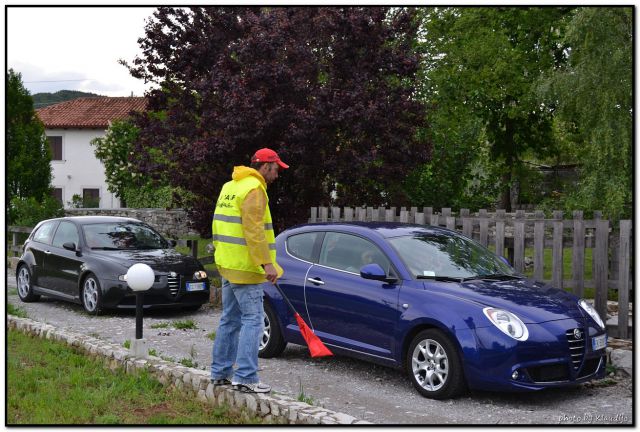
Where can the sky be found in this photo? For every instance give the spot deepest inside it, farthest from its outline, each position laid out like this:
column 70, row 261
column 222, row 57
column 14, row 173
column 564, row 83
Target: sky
column 76, row 48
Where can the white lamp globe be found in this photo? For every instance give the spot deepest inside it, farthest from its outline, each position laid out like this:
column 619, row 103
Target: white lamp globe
column 140, row 277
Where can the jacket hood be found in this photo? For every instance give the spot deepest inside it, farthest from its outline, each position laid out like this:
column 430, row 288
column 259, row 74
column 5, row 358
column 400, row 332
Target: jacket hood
column 240, row 172
column 532, row 301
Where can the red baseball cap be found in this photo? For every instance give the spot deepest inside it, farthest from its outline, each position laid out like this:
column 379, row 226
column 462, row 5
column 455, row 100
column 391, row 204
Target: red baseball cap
column 268, row 155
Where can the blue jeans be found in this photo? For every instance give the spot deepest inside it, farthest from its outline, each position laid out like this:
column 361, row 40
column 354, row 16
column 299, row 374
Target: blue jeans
column 239, row 334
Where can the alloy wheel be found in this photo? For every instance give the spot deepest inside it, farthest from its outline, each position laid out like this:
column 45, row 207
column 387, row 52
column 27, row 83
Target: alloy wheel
column 24, row 282
column 90, row 294
column 430, row 365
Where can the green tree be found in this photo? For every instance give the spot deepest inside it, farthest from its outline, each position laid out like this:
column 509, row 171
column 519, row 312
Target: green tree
column 114, row 150
column 481, row 69
column 594, row 96
column 28, row 153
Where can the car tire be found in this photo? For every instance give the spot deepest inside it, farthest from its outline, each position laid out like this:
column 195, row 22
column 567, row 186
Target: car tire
column 434, row 365
column 25, row 287
column 91, row 294
column 272, row 342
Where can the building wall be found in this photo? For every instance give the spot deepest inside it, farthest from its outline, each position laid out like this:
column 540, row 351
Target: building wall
column 79, row 168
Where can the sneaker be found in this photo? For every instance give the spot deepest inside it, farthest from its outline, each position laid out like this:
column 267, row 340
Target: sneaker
column 251, row 388
column 220, row 382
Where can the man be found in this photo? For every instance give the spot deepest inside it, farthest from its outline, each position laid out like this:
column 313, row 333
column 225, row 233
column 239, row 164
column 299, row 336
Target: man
column 245, row 253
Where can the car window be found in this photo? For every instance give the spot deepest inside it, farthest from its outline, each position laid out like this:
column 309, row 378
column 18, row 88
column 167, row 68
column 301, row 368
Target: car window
column 122, row 235
column 66, row 233
column 301, row 245
column 45, row 232
column 348, row 252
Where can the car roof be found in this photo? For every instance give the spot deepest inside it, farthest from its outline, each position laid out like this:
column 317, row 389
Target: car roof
column 383, row 229
column 86, row 220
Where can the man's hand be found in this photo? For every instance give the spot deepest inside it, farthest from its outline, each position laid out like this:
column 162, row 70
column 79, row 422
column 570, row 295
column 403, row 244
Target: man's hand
column 271, row 273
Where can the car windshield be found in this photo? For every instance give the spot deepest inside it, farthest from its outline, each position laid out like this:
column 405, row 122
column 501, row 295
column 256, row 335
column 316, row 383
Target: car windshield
column 122, row 235
column 443, row 255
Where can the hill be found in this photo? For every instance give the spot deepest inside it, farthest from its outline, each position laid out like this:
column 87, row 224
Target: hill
column 41, row 100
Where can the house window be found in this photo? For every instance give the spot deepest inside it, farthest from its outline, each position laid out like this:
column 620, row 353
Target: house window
column 91, row 198
column 57, row 194
column 55, row 142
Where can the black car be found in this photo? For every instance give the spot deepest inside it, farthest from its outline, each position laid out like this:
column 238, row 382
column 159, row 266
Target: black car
column 84, row 260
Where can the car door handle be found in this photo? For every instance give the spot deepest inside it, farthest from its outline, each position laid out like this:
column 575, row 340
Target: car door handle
column 316, row 281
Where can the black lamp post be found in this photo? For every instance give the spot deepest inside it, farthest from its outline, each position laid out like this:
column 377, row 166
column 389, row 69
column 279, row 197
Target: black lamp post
column 140, row 278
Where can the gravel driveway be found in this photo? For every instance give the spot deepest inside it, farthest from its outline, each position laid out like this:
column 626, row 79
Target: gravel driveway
column 365, row 391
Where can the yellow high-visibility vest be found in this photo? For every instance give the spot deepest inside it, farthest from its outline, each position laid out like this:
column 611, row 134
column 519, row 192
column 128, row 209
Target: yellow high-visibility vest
column 231, row 251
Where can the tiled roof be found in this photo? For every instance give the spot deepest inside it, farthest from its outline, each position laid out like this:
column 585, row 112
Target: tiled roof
column 89, row 113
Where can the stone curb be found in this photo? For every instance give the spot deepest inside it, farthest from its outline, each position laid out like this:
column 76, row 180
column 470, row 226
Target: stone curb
column 193, row 382
column 621, row 359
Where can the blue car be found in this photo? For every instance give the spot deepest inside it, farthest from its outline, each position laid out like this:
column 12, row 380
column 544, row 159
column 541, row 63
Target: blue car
column 433, row 302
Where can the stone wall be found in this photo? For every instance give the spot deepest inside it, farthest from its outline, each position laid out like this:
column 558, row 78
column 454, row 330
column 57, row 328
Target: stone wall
column 273, row 408
column 170, row 223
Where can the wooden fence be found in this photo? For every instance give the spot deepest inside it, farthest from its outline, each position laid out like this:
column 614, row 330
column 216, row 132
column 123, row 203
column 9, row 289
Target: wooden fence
column 512, row 233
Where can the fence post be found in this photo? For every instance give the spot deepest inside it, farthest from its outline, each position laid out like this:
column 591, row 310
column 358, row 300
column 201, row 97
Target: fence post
column 518, row 241
column 484, row 228
column 434, row 219
column 194, row 248
column 428, row 211
column 323, row 214
column 314, row 214
column 500, row 215
column 538, row 245
column 419, row 218
column 451, row 222
column 601, row 258
column 390, row 214
column 348, row 214
column 361, row 213
column 597, row 216
column 370, row 215
column 467, row 223
column 335, row 214
column 623, row 279
column 557, row 262
column 577, row 258
column 404, row 216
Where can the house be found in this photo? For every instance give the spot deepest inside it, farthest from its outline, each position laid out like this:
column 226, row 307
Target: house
column 70, row 126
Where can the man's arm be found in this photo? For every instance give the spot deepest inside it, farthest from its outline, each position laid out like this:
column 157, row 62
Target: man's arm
column 253, row 208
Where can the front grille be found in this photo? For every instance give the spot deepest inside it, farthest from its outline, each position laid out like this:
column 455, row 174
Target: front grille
column 549, row 373
column 576, row 347
column 590, row 367
column 174, row 284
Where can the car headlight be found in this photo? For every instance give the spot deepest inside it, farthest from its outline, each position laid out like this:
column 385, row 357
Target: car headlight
column 199, row 275
column 591, row 311
column 508, row 323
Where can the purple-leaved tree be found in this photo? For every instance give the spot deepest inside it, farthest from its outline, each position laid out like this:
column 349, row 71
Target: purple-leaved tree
column 331, row 89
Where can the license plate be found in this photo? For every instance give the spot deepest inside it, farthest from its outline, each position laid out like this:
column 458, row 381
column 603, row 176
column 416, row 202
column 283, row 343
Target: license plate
column 599, row 342
column 195, row 286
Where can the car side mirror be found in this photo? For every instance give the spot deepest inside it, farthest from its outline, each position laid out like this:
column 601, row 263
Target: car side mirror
column 172, row 243
column 504, row 260
column 69, row 246
column 374, row 272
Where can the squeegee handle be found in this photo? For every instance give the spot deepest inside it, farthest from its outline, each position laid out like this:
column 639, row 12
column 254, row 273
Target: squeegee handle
column 285, row 297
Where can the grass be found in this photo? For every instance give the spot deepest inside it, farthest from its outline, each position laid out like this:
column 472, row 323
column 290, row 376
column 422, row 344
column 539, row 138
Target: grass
column 153, row 352
column 13, row 291
column 188, row 362
column 211, row 335
column 185, row 325
column 127, row 344
column 16, row 311
column 45, row 378
column 302, row 397
column 160, row 325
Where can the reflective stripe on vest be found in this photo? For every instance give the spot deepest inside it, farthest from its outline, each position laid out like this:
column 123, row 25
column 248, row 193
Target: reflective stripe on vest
column 231, row 251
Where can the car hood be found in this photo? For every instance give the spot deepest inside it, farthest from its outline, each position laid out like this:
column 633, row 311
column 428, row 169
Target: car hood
column 161, row 260
column 533, row 302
